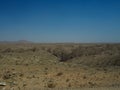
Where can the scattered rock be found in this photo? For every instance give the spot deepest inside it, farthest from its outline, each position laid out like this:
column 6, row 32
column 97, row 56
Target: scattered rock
column 91, row 84
column 46, row 68
column 84, row 77
column 51, row 85
column 69, row 85
column 59, row 74
column 67, row 80
column 21, row 74
column 24, row 84
column 9, row 74
column 3, row 84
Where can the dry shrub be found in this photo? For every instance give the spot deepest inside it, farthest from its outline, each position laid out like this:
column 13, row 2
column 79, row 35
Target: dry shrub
column 61, row 53
column 34, row 49
column 51, row 85
column 59, row 74
column 8, row 50
column 7, row 75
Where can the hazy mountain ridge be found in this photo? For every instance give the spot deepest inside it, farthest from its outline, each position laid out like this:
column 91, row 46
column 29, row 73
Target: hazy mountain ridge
column 19, row 41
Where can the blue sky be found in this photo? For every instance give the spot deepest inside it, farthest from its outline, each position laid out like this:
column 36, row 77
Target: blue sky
column 60, row 20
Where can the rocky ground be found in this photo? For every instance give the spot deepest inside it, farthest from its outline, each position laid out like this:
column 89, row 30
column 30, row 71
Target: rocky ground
column 46, row 66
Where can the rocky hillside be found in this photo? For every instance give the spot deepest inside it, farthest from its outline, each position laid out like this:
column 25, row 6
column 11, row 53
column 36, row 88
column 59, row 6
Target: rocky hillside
column 96, row 55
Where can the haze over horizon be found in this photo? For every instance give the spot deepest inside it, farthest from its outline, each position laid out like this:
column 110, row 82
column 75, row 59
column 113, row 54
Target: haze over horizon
column 60, row 20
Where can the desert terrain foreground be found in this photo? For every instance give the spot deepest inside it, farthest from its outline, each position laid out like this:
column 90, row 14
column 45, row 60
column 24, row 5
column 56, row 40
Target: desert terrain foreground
column 63, row 66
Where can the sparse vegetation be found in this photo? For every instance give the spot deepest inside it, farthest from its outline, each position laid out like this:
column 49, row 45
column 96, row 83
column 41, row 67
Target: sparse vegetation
column 59, row 65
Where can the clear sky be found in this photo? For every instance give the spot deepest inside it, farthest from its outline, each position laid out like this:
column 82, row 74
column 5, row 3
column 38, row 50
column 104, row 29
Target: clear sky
column 60, row 20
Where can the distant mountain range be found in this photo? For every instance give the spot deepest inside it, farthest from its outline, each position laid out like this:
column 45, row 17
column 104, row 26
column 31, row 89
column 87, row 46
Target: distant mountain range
column 19, row 41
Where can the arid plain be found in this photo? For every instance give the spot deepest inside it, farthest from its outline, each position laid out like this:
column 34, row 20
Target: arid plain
column 71, row 66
